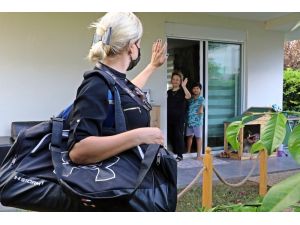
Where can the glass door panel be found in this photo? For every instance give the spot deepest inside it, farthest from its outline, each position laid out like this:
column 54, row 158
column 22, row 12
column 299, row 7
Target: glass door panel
column 223, row 94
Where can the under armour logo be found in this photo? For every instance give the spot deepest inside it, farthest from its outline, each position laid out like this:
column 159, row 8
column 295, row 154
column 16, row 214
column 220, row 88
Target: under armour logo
column 103, row 169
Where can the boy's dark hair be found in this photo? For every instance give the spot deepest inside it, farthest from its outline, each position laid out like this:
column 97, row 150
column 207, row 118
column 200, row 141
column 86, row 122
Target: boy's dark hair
column 197, row 84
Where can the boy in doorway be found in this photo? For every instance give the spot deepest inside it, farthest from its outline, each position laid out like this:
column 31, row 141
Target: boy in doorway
column 195, row 119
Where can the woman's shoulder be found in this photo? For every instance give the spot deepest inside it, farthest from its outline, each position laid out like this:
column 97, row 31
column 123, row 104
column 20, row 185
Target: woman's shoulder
column 94, row 76
column 93, row 83
column 169, row 92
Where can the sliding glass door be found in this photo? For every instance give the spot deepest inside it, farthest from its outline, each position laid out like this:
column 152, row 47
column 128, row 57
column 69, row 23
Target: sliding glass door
column 217, row 66
column 223, row 77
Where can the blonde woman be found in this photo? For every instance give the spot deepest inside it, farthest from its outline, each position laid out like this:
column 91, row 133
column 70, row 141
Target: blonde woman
column 116, row 48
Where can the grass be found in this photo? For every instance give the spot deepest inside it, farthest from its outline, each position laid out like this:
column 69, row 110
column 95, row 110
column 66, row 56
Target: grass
column 223, row 195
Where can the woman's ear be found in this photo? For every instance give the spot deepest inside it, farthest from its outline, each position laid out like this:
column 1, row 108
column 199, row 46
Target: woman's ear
column 130, row 48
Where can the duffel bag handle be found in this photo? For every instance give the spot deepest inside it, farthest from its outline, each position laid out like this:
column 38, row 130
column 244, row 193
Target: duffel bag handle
column 149, row 157
column 57, row 129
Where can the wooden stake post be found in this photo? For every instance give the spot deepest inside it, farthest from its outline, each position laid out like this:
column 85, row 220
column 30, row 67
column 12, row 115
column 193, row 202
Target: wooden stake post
column 207, row 179
column 263, row 172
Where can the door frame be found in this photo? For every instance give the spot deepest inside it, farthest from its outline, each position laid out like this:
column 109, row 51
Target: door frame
column 204, row 35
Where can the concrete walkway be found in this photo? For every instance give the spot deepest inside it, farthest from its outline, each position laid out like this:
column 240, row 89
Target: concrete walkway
column 278, row 168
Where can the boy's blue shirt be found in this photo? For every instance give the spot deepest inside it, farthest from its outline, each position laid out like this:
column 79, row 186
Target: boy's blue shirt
column 194, row 119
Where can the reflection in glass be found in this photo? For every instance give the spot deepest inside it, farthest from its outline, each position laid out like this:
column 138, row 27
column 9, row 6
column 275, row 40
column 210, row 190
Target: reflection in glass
column 224, row 74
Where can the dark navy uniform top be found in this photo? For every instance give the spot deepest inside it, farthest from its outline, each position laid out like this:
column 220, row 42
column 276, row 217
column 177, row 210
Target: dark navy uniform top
column 91, row 108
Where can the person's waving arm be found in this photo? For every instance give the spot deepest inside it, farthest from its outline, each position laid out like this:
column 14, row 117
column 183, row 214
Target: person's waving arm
column 159, row 56
column 186, row 91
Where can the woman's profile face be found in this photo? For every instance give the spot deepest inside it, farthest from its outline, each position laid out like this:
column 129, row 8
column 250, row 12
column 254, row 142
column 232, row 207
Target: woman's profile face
column 176, row 81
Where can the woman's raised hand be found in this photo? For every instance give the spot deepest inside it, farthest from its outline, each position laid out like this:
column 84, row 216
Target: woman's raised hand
column 159, row 53
column 184, row 82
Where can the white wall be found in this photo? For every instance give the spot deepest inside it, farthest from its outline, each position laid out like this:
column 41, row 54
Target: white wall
column 42, row 60
column 265, row 68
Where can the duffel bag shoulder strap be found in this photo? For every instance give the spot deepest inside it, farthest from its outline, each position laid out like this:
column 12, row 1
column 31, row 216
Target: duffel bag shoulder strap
column 135, row 96
column 120, row 123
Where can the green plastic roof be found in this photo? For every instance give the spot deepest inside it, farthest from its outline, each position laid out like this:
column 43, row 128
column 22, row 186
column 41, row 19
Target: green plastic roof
column 248, row 112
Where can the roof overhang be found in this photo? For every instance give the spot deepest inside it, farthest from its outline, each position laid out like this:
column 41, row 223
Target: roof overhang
column 286, row 22
column 289, row 24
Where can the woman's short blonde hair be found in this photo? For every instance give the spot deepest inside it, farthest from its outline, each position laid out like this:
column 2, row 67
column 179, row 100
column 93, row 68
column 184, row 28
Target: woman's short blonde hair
column 126, row 28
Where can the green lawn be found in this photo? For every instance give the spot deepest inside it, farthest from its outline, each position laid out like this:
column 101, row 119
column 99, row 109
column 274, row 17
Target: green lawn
column 223, row 195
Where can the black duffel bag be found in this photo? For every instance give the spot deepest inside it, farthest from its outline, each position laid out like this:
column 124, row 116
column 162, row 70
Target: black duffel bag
column 125, row 182
column 27, row 180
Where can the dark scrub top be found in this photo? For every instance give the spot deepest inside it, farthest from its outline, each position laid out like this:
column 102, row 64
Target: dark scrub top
column 176, row 105
column 91, row 108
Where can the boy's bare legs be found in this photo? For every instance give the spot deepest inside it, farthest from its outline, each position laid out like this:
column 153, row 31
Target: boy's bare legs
column 189, row 142
column 199, row 148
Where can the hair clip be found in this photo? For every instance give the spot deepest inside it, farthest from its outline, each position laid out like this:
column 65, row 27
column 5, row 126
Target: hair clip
column 106, row 36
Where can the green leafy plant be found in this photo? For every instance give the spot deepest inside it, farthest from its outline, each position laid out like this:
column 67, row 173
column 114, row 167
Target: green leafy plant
column 294, row 144
column 286, row 193
column 273, row 133
column 232, row 133
column 282, row 195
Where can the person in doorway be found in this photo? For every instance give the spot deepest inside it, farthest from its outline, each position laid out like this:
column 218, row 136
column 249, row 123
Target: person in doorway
column 195, row 119
column 176, row 107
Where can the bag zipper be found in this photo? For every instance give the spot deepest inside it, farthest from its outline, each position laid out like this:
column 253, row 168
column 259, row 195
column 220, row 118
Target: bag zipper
column 133, row 108
column 158, row 158
column 13, row 161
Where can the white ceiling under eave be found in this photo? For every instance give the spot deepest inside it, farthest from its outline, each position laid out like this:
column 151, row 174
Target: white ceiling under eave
column 289, row 24
column 286, row 22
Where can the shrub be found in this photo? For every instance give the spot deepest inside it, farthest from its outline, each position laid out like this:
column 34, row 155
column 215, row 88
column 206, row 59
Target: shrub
column 291, row 90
